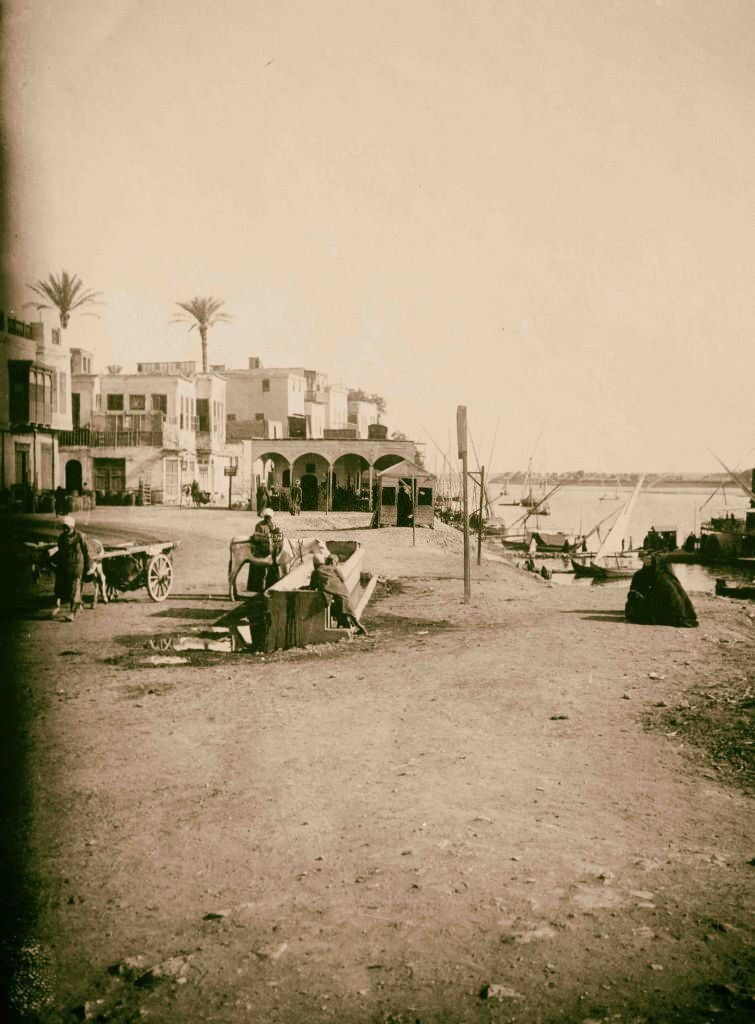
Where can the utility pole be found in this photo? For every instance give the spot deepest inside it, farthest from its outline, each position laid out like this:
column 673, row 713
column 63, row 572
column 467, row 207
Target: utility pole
column 461, row 434
column 230, row 471
column 479, row 524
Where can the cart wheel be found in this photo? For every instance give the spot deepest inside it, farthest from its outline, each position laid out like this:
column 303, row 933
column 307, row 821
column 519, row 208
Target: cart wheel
column 159, row 577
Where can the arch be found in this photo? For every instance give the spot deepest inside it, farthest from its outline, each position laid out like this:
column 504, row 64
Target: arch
column 74, row 476
column 352, row 483
column 314, row 472
column 389, row 459
column 270, row 468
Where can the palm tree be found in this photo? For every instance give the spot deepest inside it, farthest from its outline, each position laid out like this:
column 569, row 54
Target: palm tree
column 205, row 313
column 65, row 293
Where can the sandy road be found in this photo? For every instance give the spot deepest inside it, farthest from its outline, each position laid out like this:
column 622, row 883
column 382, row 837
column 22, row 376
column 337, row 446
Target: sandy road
column 459, row 818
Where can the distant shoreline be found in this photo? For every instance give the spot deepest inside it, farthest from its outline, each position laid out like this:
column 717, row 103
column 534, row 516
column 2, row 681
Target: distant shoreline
column 624, row 481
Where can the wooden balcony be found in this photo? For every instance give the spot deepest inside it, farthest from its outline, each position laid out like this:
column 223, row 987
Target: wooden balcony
column 84, row 437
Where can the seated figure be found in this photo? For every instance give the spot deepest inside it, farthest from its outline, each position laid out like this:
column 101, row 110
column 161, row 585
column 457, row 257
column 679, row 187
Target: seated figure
column 657, row 598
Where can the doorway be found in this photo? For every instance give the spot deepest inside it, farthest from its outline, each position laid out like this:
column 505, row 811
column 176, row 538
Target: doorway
column 110, row 475
column 73, row 476
column 310, row 492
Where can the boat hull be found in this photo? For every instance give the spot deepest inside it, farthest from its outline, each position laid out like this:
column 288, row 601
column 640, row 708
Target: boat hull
column 604, row 572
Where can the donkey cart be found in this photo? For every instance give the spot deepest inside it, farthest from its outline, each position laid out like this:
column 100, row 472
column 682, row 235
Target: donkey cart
column 133, row 566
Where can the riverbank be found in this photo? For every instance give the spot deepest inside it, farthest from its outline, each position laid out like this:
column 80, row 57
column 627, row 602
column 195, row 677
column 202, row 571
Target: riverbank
column 479, row 812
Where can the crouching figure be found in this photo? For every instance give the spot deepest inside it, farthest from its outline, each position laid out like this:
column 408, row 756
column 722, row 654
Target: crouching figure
column 327, row 578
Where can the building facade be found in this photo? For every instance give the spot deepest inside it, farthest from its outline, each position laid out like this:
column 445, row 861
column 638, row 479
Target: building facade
column 335, row 474
column 150, row 433
column 291, row 402
column 35, row 405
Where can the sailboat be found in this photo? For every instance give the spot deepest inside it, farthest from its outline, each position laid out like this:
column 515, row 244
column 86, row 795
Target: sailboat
column 530, row 500
column 612, row 559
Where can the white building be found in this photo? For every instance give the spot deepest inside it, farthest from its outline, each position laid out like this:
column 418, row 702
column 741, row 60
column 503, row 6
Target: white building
column 150, row 433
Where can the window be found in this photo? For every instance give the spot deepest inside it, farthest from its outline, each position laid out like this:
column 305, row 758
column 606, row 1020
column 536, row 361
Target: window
column 114, row 403
column 265, row 384
column 203, row 415
column 259, row 416
column 231, row 415
column 56, row 338
column 30, row 393
column 63, row 392
column 160, row 404
column 137, row 403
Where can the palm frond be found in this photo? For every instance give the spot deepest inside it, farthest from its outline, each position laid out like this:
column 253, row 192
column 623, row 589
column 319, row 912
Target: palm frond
column 66, row 293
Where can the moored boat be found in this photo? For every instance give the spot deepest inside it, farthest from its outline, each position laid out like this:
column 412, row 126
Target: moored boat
column 743, row 591
column 614, row 559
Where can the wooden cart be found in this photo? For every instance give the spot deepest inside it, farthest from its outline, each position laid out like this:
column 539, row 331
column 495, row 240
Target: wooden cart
column 133, row 566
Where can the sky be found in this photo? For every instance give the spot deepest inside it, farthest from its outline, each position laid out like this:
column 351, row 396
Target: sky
column 541, row 209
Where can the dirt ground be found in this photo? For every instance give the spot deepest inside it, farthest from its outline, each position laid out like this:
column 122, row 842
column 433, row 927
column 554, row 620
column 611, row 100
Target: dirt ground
column 478, row 813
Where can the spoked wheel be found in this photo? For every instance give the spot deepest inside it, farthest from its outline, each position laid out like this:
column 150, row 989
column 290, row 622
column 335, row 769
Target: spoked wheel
column 159, row 577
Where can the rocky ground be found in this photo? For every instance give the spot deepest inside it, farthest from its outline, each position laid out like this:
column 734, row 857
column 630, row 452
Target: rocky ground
column 519, row 809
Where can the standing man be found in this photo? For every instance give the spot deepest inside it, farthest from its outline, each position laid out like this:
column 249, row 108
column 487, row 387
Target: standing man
column 296, row 498
column 404, row 506
column 71, row 564
column 266, row 545
column 263, row 496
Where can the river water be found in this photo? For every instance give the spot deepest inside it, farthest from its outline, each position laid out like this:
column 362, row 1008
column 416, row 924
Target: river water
column 576, row 510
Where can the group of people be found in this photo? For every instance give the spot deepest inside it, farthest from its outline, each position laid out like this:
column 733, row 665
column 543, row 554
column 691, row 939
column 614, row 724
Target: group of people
column 294, row 499
column 77, row 559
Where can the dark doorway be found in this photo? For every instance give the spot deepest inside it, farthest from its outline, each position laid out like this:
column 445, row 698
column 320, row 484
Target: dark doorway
column 76, row 410
column 73, row 476
column 110, row 475
column 310, row 492
column 22, row 464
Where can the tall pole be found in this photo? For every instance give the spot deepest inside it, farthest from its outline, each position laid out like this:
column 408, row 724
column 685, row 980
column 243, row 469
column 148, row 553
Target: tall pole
column 479, row 524
column 414, row 511
column 461, row 431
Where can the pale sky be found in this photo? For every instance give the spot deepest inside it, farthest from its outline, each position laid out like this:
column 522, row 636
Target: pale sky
column 542, row 210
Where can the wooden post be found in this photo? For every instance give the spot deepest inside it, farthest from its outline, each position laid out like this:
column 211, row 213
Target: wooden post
column 461, row 432
column 479, row 525
column 414, row 511
column 230, row 490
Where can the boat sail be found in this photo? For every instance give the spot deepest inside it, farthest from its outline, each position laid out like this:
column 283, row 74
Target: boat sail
column 613, row 560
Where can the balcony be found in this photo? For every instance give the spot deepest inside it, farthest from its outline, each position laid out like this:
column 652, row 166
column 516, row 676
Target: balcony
column 18, row 327
column 84, row 437
column 316, row 396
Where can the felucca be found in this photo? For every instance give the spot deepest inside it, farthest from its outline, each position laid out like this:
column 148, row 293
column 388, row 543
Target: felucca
column 613, row 559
